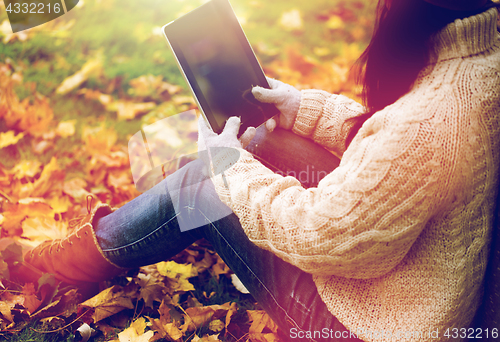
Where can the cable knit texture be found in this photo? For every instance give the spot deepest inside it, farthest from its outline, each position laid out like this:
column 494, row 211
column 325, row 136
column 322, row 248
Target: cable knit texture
column 397, row 237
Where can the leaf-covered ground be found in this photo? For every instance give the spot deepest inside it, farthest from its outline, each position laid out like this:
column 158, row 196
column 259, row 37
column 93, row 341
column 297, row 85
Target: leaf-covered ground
column 72, row 93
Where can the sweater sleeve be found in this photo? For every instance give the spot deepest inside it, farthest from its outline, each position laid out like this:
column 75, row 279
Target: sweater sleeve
column 362, row 218
column 323, row 117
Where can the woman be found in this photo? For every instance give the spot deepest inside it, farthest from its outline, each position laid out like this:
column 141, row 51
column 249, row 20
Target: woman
column 391, row 244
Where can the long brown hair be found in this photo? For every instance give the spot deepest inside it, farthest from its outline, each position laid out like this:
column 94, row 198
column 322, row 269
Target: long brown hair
column 398, row 51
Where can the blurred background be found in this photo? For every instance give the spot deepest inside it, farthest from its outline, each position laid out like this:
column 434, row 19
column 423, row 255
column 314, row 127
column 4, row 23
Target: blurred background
column 82, row 84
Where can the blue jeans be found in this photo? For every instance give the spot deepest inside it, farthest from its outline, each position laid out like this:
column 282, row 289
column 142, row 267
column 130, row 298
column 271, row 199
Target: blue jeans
column 147, row 230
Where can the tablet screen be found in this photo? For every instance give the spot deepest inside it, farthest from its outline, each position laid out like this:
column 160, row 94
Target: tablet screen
column 219, row 65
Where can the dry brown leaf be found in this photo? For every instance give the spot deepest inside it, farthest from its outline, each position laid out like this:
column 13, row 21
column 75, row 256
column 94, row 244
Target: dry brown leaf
column 150, row 289
column 205, row 263
column 109, row 302
column 233, row 308
column 31, row 302
column 113, row 159
column 258, row 337
column 220, row 267
column 260, row 322
column 6, row 312
column 179, row 100
column 35, row 118
column 169, row 331
column 206, row 338
column 127, row 110
column 24, row 300
column 64, row 304
column 76, row 188
column 91, row 94
column 149, row 85
column 197, row 317
column 10, row 105
column 119, row 179
column 93, row 66
column 15, row 213
column 50, row 176
column 165, row 327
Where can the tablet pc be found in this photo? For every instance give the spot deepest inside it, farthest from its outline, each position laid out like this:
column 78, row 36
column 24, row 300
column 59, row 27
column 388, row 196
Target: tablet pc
column 219, row 65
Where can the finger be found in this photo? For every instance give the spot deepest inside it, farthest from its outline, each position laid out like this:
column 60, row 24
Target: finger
column 273, row 83
column 247, row 136
column 203, row 128
column 265, row 95
column 271, row 124
column 232, row 126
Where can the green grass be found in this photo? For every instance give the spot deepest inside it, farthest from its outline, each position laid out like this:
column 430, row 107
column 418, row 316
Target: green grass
column 33, row 333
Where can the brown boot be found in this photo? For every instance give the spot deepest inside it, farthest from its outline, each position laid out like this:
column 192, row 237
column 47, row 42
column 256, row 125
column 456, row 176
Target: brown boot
column 77, row 258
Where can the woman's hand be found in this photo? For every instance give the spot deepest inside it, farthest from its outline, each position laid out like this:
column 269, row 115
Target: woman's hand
column 228, row 138
column 209, row 142
column 285, row 97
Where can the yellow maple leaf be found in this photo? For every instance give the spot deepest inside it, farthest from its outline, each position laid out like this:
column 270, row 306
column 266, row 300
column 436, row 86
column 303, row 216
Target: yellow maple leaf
column 10, row 138
column 135, row 333
column 181, row 284
column 39, row 229
column 171, row 269
column 60, row 204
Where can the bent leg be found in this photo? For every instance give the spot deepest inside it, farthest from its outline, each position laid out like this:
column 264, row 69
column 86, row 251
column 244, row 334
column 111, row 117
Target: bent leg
column 148, row 230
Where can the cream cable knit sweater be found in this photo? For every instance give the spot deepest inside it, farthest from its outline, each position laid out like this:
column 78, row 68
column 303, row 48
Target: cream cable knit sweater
column 397, row 237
